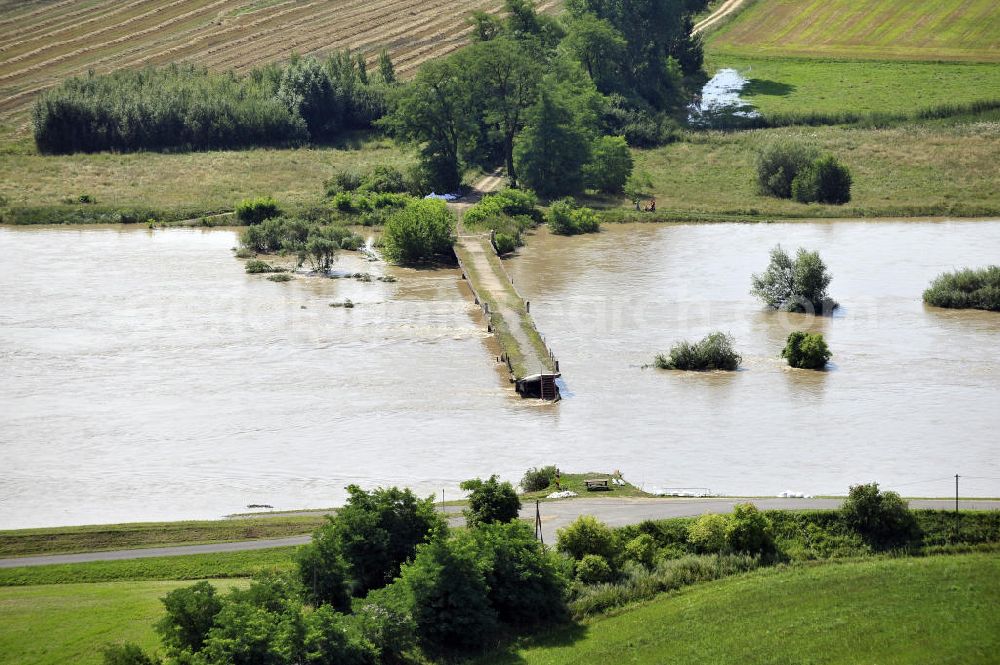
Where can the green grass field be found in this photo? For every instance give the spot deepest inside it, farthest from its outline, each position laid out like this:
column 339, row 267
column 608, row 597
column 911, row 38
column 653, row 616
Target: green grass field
column 71, row 623
column 933, row 168
column 802, row 86
column 887, row 611
column 60, row 540
column 196, row 182
column 873, row 29
column 189, row 567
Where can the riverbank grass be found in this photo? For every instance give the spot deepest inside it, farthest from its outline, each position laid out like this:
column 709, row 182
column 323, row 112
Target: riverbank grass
column 781, row 87
column 916, row 610
column 215, row 565
column 575, row 482
column 919, row 169
column 180, row 185
column 96, row 538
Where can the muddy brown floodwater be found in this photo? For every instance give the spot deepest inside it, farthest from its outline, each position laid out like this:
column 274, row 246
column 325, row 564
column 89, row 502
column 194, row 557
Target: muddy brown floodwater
column 145, row 376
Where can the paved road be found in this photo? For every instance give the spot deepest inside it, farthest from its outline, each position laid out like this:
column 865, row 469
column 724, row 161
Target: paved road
column 555, row 515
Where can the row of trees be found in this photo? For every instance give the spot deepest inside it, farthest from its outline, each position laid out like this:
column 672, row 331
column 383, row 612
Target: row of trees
column 186, row 107
column 386, row 581
column 542, row 95
column 383, row 577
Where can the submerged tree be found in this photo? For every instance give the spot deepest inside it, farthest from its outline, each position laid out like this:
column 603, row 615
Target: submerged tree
column 806, row 350
column 795, row 286
column 714, row 352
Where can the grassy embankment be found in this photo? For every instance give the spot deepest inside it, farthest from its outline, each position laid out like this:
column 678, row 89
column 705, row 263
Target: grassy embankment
column 890, row 610
column 877, row 66
column 911, row 610
column 98, row 603
column 219, row 565
column 69, row 623
column 95, row 538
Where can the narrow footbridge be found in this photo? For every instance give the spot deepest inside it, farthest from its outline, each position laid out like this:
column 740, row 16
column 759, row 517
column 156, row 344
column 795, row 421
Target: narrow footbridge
column 532, row 366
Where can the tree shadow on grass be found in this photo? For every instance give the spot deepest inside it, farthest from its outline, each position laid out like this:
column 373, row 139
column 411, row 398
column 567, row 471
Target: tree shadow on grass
column 766, row 87
column 558, row 636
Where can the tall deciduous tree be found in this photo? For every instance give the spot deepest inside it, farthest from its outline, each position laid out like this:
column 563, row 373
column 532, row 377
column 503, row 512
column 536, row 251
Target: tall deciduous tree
column 381, row 529
column 552, row 150
column 654, row 32
column 435, row 111
column 599, row 47
column 505, row 78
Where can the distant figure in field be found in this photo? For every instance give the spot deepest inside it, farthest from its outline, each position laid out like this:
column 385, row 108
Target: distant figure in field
column 652, row 206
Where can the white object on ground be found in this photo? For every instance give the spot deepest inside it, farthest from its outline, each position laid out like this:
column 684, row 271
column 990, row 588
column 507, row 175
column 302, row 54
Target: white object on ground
column 565, row 494
column 444, row 197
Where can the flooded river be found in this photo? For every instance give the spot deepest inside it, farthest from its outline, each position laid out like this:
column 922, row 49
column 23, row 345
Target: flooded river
column 145, row 376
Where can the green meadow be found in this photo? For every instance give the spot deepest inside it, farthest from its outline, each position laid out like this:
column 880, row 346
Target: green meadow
column 887, row 611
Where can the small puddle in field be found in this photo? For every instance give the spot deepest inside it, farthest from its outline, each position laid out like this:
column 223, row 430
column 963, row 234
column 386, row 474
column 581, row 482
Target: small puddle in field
column 720, row 102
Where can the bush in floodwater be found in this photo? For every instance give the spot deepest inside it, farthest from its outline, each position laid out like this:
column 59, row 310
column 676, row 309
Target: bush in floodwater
column 825, row 180
column 795, row 286
column 566, row 219
column 715, row 351
column 256, row 267
column 966, row 289
column 806, row 350
column 535, row 479
column 256, row 210
column 778, row 163
column 421, row 232
column 504, row 243
column 280, row 277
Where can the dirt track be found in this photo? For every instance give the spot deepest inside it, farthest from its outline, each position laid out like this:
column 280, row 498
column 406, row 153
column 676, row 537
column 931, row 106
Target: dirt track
column 724, row 10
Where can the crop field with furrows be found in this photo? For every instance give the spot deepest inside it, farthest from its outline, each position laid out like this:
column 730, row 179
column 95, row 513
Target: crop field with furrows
column 43, row 42
column 872, row 29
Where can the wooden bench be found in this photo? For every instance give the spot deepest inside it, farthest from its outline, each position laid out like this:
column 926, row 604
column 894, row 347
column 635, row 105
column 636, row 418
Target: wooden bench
column 598, row 484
